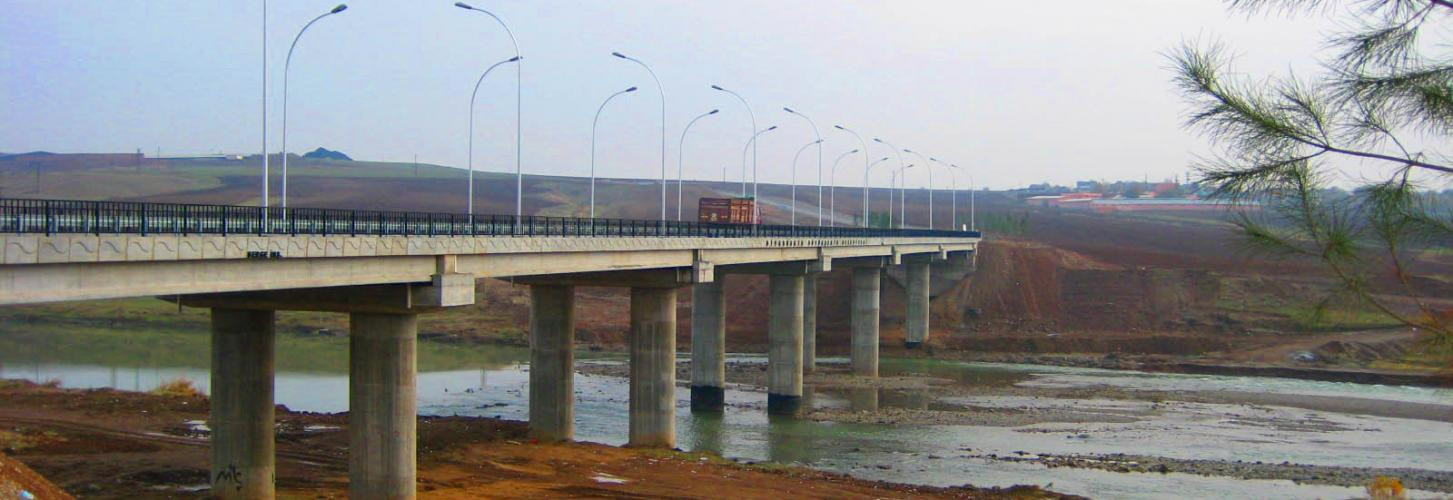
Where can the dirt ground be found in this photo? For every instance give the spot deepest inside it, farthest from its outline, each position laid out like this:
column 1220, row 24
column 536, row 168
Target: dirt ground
column 115, row 444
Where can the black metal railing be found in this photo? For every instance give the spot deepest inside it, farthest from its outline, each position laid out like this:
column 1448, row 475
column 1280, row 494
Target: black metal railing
column 97, row 217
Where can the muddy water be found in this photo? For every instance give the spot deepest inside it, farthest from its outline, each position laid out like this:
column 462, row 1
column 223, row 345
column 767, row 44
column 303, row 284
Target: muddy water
column 984, row 455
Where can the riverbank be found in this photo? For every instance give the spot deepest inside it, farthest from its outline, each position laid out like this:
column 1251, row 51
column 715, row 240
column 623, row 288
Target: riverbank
column 115, row 444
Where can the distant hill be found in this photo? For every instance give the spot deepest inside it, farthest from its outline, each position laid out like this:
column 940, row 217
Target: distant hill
column 325, row 154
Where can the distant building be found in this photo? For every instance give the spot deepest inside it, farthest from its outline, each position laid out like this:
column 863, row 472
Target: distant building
column 1086, row 186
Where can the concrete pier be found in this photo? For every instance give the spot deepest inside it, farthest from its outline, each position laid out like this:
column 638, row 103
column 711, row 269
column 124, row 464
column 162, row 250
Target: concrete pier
column 809, row 324
column 653, row 368
column 552, row 362
column 917, row 316
column 382, row 405
column 242, row 404
column 708, row 347
column 784, row 339
column 865, row 309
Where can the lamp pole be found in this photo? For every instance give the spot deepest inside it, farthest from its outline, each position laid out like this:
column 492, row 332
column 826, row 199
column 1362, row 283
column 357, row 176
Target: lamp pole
column 972, row 188
column 898, row 154
column 661, row 90
column 953, row 193
column 864, row 147
column 681, row 157
column 819, row 162
column 902, row 175
column 265, row 166
column 929, row 168
column 751, row 144
column 832, row 192
column 519, row 104
column 890, row 189
column 593, row 123
column 794, row 178
column 470, row 204
column 287, row 64
column 754, row 152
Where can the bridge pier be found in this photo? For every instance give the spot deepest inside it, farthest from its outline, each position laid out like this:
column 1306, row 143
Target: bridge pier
column 918, row 303
column 784, row 339
column 809, row 323
column 865, row 319
column 708, row 347
column 242, row 404
column 382, row 405
column 653, row 368
column 552, row 362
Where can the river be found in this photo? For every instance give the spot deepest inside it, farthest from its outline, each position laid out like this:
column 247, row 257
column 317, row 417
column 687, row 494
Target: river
column 492, row 382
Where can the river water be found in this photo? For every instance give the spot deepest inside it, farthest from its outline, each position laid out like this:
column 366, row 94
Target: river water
column 494, row 384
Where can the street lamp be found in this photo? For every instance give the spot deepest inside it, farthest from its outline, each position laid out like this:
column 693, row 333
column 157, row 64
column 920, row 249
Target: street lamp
column 953, row 193
column 661, row 90
column 890, row 189
column 519, row 98
column 864, row 147
column 832, row 192
column 286, row 64
column 754, row 152
column 900, row 177
column 819, row 162
column 751, row 143
column 470, row 204
column 681, row 157
column 794, row 181
column 972, row 188
column 593, row 123
column 929, row 168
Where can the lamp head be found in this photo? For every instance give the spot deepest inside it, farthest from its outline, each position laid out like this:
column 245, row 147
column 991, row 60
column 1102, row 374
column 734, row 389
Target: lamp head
column 340, row 8
column 463, row 5
column 718, row 87
column 714, row 111
column 774, row 127
column 632, row 89
column 620, row 55
column 789, row 110
column 819, row 141
column 839, row 127
column 513, row 59
column 906, row 150
column 853, row 151
column 877, row 140
column 885, row 158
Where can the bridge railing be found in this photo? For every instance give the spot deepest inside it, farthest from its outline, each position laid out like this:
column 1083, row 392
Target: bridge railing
column 122, row 217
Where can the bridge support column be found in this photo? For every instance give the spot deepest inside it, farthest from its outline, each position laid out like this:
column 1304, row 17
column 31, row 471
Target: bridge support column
column 708, row 347
column 809, row 323
column 784, row 339
column 552, row 362
column 917, row 314
column 653, row 367
column 865, row 310
column 242, row 403
column 382, row 405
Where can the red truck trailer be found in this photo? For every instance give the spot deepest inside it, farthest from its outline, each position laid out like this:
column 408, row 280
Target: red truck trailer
column 726, row 210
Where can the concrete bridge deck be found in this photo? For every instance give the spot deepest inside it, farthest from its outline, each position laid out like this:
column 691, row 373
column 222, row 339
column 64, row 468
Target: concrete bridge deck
column 385, row 268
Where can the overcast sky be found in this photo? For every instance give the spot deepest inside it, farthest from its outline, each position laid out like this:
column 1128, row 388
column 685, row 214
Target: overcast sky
column 1018, row 92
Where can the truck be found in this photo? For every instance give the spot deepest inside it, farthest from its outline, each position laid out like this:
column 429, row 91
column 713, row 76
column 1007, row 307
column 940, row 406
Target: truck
column 727, row 211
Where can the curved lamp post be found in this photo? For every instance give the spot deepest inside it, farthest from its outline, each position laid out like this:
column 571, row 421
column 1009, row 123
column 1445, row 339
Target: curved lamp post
column 751, row 143
column 953, row 193
column 819, row 162
column 832, row 192
column 794, row 180
column 890, row 188
column 754, row 154
column 681, row 157
column 929, row 168
column 593, row 123
column 898, row 154
column 519, row 98
column 864, row 146
column 901, row 178
column 661, row 90
column 287, row 64
column 471, row 127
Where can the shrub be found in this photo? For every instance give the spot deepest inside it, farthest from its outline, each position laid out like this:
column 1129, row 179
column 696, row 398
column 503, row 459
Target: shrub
column 177, row 387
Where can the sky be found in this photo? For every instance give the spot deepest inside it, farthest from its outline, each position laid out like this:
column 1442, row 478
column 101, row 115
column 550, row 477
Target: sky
column 1013, row 92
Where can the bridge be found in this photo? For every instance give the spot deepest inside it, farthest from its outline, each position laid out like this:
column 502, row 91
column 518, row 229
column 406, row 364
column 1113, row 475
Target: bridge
column 385, row 268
